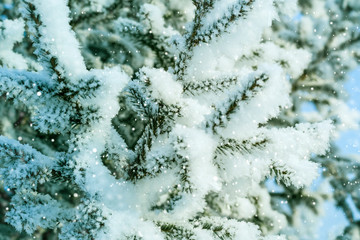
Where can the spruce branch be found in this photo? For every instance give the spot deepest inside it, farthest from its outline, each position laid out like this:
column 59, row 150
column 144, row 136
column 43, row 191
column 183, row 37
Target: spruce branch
column 54, row 50
column 217, row 84
column 22, row 167
column 226, row 109
column 22, row 86
column 174, row 231
column 87, row 221
column 199, row 33
column 236, row 11
column 33, row 21
column 160, row 44
column 233, row 146
column 35, row 210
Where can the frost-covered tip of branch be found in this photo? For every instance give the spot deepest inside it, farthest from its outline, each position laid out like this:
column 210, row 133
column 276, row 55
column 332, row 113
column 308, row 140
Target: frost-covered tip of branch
column 260, row 107
column 222, row 53
column 255, row 97
column 208, row 26
column 190, row 177
column 49, row 21
column 169, row 102
column 226, row 109
column 293, row 60
column 30, row 210
column 220, row 18
column 51, row 110
column 215, row 84
column 145, row 36
column 85, row 222
column 213, row 18
column 293, row 147
column 194, row 157
column 283, row 153
column 233, row 147
column 230, row 228
column 21, row 166
column 26, row 87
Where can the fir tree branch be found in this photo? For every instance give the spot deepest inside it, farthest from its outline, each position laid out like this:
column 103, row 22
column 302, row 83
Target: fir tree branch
column 226, row 109
column 160, row 44
column 21, row 166
column 210, row 85
column 236, row 11
column 200, row 34
column 53, row 50
column 36, row 210
column 159, row 117
column 176, row 232
column 233, row 146
column 184, row 173
column 34, row 22
column 184, row 56
column 26, row 87
column 202, row 8
column 87, row 221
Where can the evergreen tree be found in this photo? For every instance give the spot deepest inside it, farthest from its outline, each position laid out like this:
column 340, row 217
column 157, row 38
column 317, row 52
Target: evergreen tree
column 163, row 119
column 329, row 30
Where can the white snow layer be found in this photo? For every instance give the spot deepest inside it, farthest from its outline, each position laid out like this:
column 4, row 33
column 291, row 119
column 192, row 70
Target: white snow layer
column 237, row 41
column 58, row 38
column 287, row 150
column 261, row 107
column 13, row 32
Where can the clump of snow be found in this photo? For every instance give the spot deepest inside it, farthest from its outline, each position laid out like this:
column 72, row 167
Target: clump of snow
column 58, row 39
column 296, row 60
column 293, row 149
column 199, row 148
column 163, row 85
column 262, row 106
column 153, row 17
column 12, row 31
column 202, row 172
column 235, row 42
column 193, row 113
